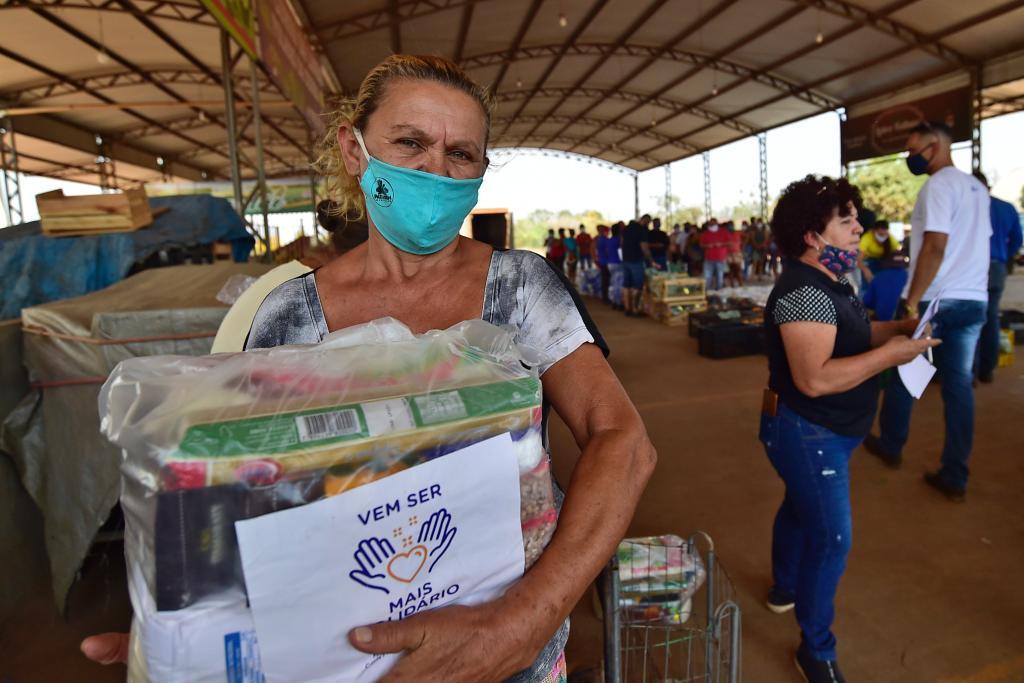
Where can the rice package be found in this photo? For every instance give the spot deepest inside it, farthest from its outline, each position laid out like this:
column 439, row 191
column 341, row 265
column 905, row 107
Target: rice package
column 214, row 440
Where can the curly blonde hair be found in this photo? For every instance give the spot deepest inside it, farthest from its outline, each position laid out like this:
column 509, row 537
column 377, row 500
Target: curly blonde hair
column 342, row 188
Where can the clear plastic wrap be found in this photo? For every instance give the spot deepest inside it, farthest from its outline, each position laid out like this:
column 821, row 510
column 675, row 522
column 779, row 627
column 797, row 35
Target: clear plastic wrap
column 212, row 440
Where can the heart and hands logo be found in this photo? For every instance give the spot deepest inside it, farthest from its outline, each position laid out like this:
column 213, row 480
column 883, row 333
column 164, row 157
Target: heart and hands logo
column 380, row 565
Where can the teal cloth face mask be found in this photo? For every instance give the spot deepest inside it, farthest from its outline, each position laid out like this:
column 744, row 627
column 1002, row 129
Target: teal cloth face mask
column 417, row 212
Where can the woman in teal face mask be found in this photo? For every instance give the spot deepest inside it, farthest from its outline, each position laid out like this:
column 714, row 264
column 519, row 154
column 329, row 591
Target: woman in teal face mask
column 410, row 151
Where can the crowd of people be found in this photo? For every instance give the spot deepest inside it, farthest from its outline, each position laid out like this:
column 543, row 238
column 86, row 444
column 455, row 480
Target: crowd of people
column 724, row 253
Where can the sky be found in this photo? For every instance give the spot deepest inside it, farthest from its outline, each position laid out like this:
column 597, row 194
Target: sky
column 524, row 181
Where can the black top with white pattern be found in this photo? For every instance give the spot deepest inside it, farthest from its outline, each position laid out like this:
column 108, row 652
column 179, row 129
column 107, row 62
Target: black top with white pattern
column 805, row 294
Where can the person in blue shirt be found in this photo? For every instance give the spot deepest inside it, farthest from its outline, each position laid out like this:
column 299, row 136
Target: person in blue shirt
column 1005, row 243
column 882, row 294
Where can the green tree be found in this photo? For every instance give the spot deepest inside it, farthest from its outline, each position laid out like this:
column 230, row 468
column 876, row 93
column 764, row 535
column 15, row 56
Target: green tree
column 1021, row 203
column 533, row 230
column 887, row 187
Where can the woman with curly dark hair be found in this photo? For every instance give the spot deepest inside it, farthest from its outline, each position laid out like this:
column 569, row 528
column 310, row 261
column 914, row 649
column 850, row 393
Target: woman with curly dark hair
column 824, row 356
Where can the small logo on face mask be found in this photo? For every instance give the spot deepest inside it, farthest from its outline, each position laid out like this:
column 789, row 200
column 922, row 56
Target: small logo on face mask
column 382, row 193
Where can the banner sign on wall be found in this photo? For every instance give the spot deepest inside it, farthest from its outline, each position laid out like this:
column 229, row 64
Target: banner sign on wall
column 291, row 60
column 237, row 18
column 885, row 131
column 284, row 195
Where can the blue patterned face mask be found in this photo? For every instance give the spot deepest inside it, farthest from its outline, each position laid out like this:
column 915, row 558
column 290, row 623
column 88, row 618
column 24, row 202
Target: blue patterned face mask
column 417, row 212
column 837, row 261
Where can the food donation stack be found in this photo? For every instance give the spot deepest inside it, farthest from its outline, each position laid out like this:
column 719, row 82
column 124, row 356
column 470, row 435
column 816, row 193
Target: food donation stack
column 214, row 440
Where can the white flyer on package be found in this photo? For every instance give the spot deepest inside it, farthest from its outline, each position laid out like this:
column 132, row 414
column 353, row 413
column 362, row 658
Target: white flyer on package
column 444, row 532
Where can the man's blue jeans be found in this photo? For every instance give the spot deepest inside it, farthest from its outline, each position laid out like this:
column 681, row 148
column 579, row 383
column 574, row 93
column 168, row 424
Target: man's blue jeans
column 988, row 345
column 958, row 324
column 714, row 275
column 813, row 529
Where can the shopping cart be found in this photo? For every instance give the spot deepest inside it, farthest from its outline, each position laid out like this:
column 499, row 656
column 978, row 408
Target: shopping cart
column 652, row 634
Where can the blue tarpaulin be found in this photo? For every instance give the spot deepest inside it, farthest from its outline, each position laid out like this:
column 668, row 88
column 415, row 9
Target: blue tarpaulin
column 36, row 269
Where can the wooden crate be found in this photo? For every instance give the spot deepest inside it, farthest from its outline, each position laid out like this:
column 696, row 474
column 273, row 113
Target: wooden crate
column 676, row 288
column 93, row 214
column 675, row 313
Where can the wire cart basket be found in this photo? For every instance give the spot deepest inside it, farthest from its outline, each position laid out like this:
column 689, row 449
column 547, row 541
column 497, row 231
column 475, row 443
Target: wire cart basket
column 670, row 614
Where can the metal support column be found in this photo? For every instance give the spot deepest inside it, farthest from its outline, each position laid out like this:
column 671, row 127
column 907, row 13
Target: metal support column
column 105, row 166
column 636, row 195
column 311, row 144
column 844, row 168
column 261, row 174
column 10, row 183
column 707, row 185
column 976, row 109
column 229, row 113
column 762, row 158
column 668, row 193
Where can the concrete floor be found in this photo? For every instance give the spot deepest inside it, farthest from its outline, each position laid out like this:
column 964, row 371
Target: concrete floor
column 932, row 592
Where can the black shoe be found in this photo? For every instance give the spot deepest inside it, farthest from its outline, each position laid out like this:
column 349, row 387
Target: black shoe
column 817, row 671
column 779, row 602
column 935, row 480
column 985, row 378
column 873, row 445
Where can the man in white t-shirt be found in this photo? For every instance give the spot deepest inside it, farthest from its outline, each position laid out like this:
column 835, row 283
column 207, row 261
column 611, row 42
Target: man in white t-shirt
column 949, row 259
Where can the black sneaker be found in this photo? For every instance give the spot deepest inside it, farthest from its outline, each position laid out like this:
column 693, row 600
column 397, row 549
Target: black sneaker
column 935, row 480
column 779, row 602
column 817, row 671
column 873, row 445
column 985, row 377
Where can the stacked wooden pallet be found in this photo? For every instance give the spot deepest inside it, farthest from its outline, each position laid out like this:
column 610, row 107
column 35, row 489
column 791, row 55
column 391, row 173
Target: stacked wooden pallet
column 93, row 214
column 670, row 298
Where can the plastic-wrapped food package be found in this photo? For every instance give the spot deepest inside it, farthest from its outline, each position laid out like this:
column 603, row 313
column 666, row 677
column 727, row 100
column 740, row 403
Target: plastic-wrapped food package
column 208, row 441
column 659, row 576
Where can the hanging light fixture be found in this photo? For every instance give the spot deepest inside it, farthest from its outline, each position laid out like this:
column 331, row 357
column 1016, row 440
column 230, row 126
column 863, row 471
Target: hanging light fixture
column 519, row 83
column 819, row 39
column 101, row 55
column 563, row 21
column 714, row 91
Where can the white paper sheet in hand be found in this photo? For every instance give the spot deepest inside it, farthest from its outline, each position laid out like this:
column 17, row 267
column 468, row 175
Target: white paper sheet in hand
column 441, row 533
column 916, row 374
column 929, row 313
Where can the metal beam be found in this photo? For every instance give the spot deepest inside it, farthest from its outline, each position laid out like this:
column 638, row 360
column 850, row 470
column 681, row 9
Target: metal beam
column 682, row 56
column 688, row 30
column 762, row 164
column 10, row 175
column 573, row 141
column 190, row 58
column 174, row 10
column 460, row 38
column 538, row 120
column 891, row 27
column 68, row 134
column 524, row 26
column 977, row 107
column 229, row 113
column 374, row 20
column 119, row 79
column 960, row 26
column 603, row 94
column 513, row 152
column 706, row 156
column 193, row 123
column 13, row 56
column 553, row 63
column 639, row 21
column 720, row 54
column 394, row 27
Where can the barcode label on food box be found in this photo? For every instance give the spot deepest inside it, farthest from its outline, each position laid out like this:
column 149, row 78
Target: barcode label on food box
column 440, row 407
column 327, row 425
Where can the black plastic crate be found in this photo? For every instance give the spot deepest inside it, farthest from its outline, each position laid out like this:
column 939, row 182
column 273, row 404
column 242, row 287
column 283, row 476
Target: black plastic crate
column 730, row 340
column 723, row 317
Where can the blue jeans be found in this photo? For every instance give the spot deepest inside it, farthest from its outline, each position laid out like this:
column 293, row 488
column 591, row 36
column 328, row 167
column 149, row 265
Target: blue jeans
column 633, row 272
column 813, row 528
column 988, row 344
column 958, row 324
column 714, row 274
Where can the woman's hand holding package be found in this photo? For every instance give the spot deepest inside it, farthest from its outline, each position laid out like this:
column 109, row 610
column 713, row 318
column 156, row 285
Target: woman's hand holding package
column 488, row 642
column 107, row 648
